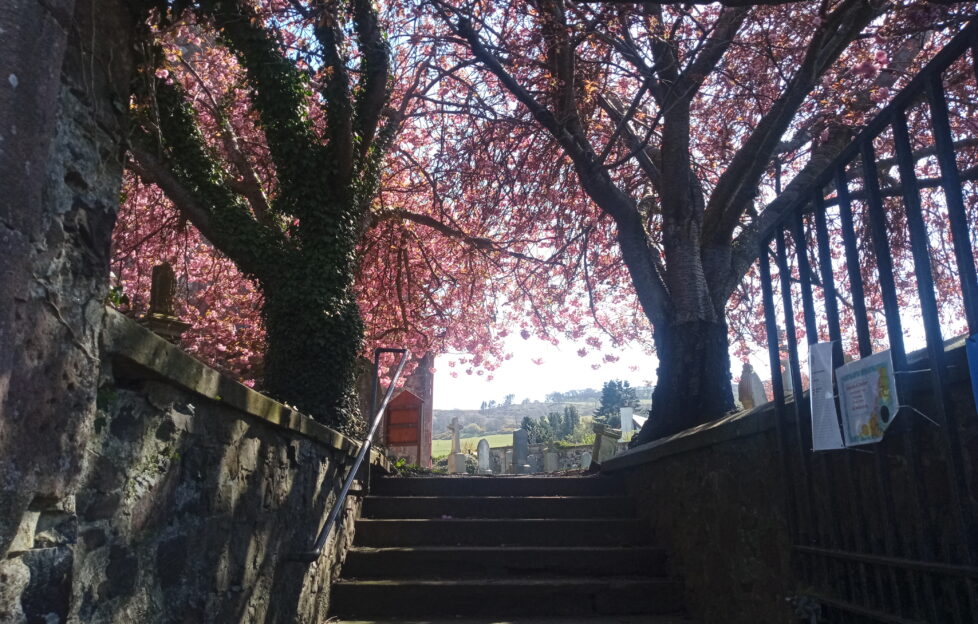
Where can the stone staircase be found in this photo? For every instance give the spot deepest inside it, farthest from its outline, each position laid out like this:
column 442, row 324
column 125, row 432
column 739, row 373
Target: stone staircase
column 482, row 548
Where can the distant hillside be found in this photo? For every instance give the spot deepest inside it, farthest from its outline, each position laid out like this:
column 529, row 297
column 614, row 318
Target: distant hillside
column 507, row 417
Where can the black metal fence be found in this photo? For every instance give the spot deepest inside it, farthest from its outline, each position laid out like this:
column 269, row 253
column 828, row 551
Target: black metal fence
column 887, row 532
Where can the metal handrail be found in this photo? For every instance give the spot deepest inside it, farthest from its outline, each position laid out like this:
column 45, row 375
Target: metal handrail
column 317, row 550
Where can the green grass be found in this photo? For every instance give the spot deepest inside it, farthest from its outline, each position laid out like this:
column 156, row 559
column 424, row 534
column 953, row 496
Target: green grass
column 440, row 448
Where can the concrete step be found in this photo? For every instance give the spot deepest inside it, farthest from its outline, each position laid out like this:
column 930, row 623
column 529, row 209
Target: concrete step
column 498, row 507
column 501, row 532
column 593, row 619
column 523, row 597
column 497, row 486
column 436, row 562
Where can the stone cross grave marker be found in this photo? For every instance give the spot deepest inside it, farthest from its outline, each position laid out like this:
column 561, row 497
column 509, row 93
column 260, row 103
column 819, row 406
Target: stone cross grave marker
column 521, row 451
column 456, row 460
column 485, row 463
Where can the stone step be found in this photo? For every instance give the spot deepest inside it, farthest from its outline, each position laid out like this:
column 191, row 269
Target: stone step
column 501, row 597
column 497, row 486
column 501, row 532
column 436, row 562
column 592, row 619
column 498, row 507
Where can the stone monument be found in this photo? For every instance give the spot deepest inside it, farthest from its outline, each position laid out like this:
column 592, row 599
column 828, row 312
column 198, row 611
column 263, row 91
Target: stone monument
column 161, row 318
column 750, row 390
column 585, row 460
column 456, row 460
column 551, row 462
column 507, row 467
column 605, row 444
column 485, row 460
column 521, row 451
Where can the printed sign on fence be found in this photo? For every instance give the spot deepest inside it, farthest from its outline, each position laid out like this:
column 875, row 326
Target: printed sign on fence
column 825, row 419
column 867, row 390
column 971, row 348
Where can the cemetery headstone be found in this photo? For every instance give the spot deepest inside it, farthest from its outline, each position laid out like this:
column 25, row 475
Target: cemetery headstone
column 550, row 462
column 508, row 461
column 605, row 444
column 521, row 451
column 456, row 460
column 485, row 463
column 585, row 460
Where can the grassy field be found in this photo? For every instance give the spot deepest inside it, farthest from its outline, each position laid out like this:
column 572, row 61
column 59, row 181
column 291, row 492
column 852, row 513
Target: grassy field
column 440, row 448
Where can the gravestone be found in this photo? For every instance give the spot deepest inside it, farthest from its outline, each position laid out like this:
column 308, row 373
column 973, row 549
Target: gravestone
column 485, row 463
column 605, row 444
column 550, row 462
column 456, row 460
column 585, row 460
column 507, row 461
column 750, row 390
column 521, row 451
column 161, row 318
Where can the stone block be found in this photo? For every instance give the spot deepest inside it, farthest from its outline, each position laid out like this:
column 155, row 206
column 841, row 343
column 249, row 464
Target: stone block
column 24, row 537
column 14, row 578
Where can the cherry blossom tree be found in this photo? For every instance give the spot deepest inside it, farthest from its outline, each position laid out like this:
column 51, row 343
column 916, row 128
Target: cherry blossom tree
column 553, row 165
column 674, row 121
column 271, row 146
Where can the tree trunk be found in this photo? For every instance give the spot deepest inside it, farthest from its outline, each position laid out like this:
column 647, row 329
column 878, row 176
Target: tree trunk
column 693, row 385
column 314, row 340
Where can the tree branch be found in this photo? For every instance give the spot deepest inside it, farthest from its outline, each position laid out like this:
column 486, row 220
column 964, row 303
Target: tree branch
column 372, row 95
column 738, row 184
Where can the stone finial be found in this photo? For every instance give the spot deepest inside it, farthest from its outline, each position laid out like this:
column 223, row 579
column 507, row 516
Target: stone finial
column 162, row 318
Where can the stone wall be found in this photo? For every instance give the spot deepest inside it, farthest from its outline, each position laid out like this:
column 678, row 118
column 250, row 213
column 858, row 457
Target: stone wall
column 715, row 495
column 714, row 499
column 568, row 458
column 65, row 71
column 194, row 493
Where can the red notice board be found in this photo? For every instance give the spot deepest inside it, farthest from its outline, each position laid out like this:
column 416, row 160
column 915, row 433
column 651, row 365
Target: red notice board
column 403, row 422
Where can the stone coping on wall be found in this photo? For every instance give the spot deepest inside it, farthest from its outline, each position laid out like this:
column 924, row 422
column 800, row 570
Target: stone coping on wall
column 763, row 418
column 139, row 353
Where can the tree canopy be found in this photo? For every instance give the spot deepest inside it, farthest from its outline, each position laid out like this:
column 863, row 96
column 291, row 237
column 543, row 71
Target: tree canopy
column 569, row 171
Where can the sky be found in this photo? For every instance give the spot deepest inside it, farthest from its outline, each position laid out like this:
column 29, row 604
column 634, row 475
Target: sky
column 562, row 369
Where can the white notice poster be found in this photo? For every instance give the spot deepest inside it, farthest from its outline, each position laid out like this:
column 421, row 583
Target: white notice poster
column 867, row 389
column 825, row 420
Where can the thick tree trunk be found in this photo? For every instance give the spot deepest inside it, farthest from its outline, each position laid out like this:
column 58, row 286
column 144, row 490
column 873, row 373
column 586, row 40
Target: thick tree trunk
column 314, row 340
column 693, row 385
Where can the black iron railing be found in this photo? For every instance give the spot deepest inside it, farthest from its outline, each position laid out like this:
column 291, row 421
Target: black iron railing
column 888, row 533
column 378, row 415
